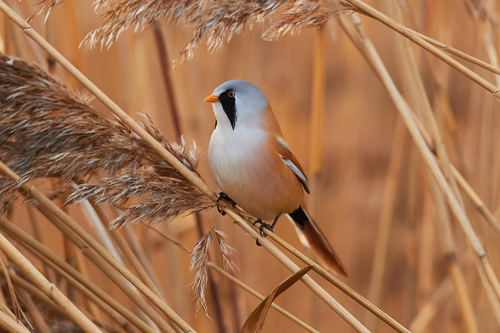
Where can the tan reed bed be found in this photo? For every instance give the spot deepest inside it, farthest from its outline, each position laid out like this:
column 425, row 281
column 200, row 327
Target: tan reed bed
column 422, row 124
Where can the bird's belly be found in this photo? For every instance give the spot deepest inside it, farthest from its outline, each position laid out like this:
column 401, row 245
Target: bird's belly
column 249, row 177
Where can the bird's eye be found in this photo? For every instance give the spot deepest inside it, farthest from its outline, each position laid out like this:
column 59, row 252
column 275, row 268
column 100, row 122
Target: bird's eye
column 230, row 93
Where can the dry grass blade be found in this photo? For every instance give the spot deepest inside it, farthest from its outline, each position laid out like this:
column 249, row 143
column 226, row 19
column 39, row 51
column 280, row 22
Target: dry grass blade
column 199, row 264
column 256, row 319
column 13, row 295
column 213, row 20
column 32, row 308
column 11, row 325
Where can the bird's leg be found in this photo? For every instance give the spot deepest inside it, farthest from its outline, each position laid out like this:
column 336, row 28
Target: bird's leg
column 274, row 222
column 267, row 226
column 223, row 196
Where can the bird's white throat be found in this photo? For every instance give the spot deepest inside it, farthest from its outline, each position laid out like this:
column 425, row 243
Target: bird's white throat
column 233, row 152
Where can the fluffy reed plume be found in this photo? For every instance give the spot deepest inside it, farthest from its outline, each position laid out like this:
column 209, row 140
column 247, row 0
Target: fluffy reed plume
column 46, row 6
column 199, row 264
column 226, row 251
column 48, row 131
column 165, row 197
column 213, row 20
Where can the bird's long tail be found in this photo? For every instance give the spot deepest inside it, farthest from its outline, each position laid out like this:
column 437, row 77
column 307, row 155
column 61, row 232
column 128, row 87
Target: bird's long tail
column 311, row 236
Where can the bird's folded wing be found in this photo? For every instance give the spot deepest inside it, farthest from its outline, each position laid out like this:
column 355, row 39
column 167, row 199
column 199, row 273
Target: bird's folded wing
column 291, row 161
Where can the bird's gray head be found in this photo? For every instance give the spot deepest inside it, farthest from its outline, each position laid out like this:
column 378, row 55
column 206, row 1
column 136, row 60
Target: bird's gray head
column 237, row 102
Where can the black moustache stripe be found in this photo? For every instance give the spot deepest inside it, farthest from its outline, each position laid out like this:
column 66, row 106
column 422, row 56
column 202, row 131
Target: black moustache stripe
column 229, row 106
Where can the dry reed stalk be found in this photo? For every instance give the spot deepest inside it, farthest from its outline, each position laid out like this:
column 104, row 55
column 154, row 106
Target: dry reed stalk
column 489, row 217
column 48, row 288
column 239, row 283
column 473, row 60
column 141, row 256
column 370, row 11
column 3, row 305
column 161, row 47
column 377, row 277
column 486, row 283
column 100, row 229
column 428, row 156
column 490, row 293
column 175, row 163
column 45, row 252
column 479, row 204
column 82, row 267
column 11, row 325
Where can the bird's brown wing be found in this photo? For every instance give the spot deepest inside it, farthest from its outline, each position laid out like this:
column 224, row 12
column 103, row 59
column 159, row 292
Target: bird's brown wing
column 291, row 161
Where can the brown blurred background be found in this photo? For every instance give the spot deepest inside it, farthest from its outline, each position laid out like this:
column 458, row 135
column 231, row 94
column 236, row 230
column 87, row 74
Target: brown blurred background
column 348, row 194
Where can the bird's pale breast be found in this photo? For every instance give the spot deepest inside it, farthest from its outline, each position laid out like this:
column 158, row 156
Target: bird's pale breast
column 250, row 171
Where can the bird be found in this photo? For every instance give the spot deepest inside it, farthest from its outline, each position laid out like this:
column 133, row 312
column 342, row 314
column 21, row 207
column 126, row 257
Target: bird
column 255, row 168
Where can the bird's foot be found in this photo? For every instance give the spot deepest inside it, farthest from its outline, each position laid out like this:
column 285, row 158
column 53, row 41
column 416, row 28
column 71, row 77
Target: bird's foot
column 223, row 196
column 261, row 229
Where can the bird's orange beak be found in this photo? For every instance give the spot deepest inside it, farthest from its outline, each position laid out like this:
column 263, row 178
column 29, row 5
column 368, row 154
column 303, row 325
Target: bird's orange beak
column 211, row 99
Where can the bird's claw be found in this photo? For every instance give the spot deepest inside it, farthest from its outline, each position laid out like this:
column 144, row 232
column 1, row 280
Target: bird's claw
column 223, row 196
column 261, row 229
